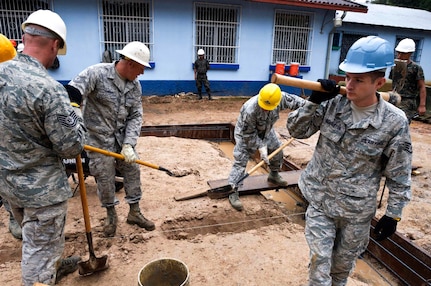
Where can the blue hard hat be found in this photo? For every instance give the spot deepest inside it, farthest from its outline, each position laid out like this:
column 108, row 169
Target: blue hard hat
column 368, row 54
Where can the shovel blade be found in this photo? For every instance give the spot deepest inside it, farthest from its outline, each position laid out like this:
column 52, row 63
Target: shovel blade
column 220, row 192
column 94, row 264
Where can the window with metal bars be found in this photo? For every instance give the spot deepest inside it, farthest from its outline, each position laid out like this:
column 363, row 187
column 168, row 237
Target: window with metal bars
column 13, row 13
column 292, row 37
column 216, row 32
column 125, row 21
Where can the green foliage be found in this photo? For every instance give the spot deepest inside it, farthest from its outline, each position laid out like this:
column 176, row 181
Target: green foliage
column 417, row 4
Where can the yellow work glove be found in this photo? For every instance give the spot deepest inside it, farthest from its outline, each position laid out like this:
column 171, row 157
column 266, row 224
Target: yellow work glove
column 129, row 153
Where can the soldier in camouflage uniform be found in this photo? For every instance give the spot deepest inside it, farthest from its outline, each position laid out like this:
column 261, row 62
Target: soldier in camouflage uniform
column 8, row 52
column 113, row 116
column 200, row 67
column 410, row 81
column 362, row 138
column 39, row 128
column 254, row 131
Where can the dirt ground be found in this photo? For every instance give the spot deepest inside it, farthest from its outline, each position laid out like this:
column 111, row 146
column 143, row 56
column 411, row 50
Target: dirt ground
column 262, row 245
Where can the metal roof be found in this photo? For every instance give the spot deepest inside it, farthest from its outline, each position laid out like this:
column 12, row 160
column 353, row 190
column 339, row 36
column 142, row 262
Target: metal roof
column 343, row 5
column 391, row 16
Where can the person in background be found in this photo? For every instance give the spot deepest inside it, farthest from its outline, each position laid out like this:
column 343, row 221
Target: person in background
column 362, row 138
column 113, row 116
column 254, row 131
column 8, row 52
column 200, row 67
column 39, row 128
column 409, row 82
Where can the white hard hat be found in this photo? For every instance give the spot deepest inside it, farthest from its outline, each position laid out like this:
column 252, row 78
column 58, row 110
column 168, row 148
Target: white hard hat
column 201, row 52
column 20, row 47
column 51, row 21
column 406, row 46
column 137, row 52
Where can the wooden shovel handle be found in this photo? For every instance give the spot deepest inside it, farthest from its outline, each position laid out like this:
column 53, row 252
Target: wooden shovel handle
column 311, row 85
column 83, row 193
column 275, row 152
column 118, row 156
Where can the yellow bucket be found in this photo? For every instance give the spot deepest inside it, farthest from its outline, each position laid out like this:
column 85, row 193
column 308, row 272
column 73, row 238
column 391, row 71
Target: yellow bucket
column 164, row 272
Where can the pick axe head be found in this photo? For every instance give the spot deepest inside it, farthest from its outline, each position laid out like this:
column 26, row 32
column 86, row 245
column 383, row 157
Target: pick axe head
column 220, row 192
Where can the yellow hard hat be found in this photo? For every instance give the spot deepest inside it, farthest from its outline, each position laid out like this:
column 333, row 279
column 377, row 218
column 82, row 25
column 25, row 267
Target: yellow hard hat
column 269, row 96
column 7, row 51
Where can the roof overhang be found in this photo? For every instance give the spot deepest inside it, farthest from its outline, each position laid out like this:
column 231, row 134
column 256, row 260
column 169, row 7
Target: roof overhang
column 343, row 5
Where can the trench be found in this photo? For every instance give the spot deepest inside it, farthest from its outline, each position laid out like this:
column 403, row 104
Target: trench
column 282, row 205
column 404, row 261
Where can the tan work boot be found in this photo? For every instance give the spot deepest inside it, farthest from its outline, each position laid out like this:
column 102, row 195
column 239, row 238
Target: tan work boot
column 66, row 266
column 275, row 178
column 14, row 227
column 135, row 217
column 235, row 202
column 111, row 222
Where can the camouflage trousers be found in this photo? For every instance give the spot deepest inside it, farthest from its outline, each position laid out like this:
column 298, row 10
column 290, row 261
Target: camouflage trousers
column 103, row 169
column 410, row 107
column 334, row 244
column 242, row 154
column 42, row 241
column 202, row 78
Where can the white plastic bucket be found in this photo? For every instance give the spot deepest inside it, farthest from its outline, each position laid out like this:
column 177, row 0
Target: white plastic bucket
column 164, row 272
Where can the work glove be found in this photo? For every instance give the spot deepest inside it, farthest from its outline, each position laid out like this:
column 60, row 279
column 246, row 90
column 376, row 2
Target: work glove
column 385, row 227
column 129, row 153
column 264, row 154
column 332, row 90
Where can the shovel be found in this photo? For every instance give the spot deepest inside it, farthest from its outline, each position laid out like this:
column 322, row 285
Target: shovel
column 121, row 157
column 94, row 264
column 224, row 191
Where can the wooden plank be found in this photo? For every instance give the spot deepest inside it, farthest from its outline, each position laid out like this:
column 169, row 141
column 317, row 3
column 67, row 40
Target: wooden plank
column 258, row 183
column 251, row 185
column 405, row 260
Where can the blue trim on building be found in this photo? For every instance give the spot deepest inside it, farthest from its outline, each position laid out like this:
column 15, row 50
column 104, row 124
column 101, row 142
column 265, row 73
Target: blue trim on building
column 218, row 88
column 287, row 68
column 222, row 66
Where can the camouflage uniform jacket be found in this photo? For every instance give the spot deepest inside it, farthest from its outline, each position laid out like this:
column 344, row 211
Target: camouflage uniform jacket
column 407, row 85
column 343, row 176
column 201, row 66
column 39, row 128
column 254, row 126
column 112, row 114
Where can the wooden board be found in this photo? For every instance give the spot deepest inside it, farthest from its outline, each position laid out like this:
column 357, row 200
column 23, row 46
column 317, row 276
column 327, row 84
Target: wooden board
column 251, row 185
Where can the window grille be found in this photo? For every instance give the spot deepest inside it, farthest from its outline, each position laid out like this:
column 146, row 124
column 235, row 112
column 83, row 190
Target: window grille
column 125, row 21
column 14, row 13
column 217, row 32
column 292, row 37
